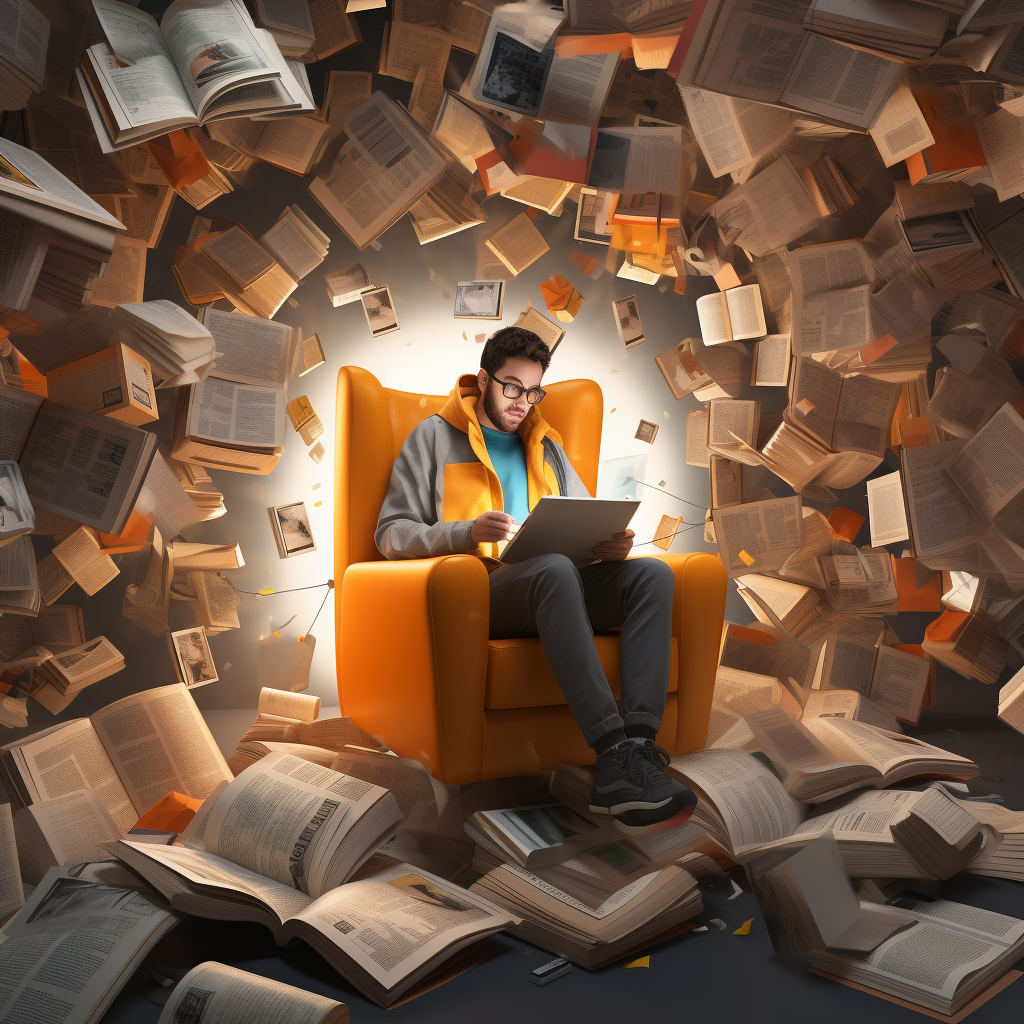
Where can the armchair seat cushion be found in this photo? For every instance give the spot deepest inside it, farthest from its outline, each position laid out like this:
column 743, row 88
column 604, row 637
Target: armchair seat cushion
column 518, row 674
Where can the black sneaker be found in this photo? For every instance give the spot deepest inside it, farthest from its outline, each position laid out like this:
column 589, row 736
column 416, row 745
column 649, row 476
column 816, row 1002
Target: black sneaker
column 630, row 784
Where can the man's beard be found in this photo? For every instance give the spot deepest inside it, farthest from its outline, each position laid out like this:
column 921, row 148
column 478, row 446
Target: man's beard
column 494, row 414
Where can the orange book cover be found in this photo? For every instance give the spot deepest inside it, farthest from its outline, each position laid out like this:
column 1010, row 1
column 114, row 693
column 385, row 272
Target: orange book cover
column 912, row 598
column 956, row 140
column 945, row 627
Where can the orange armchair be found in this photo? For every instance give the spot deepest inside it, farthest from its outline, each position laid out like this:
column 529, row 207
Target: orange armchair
column 415, row 665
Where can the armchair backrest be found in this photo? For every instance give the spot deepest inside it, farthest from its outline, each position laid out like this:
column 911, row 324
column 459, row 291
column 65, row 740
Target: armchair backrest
column 373, row 423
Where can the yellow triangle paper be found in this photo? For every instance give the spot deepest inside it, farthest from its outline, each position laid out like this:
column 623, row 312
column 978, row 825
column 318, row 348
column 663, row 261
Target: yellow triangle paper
column 643, row 961
column 744, row 929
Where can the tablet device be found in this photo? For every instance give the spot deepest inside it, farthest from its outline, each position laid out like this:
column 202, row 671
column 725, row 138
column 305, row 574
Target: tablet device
column 570, row 527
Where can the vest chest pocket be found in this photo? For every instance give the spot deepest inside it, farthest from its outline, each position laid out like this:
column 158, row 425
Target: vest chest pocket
column 467, row 492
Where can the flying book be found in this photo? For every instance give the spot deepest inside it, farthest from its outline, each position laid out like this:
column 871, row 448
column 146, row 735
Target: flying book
column 199, row 64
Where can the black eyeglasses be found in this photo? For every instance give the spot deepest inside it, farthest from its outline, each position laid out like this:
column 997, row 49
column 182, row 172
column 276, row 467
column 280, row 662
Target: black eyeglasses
column 514, row 391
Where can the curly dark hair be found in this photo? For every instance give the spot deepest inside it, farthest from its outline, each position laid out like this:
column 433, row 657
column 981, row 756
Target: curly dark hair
column 513, row 343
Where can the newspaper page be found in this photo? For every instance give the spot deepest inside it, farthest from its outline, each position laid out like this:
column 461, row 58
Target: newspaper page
column 159, row 742
column 759, row 535
column 386, row 165
column 70, row 758
column 79, row 938
column 214, row 993
column 394, row 924
column 238, row 414
column 83, row 465
column 250, row 350
column 754, row 807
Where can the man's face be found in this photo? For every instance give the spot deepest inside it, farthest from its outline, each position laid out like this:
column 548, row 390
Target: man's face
column 506, row 413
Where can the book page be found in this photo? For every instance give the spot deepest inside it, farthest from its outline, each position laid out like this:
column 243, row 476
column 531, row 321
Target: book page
column 239, row 255
column 250, row 350
column 989, row 472
column 285, row 818
column 730, row 417
column 713, row 314
column 159, row 742
column 135, row 68
column 81, row 556
column 576, row 87
column 769, row 210
column 840, row 82
column 248, row 416
column 750, row 54
column 386, row 165
column 833, row 320
column 70, row 828
column 92, row 657
column 17, row 412
column 230, row 996
column 631, row 160
column 750, row 799
column 697, row 453
column 289, row 15
column 24, row 40
column 291, row 245
column 938, row 522
column 717, row 130
column 828, row 266
column 124, row 276
column 759, row 535
column 876, row 747
column 771, row 363
column 83, row 930
column 69, row 759
column 83, row 466
column 292, row 142
column 788, row 744
column 814, row 399
column 899, row 682
column 518, row 244
column 12, row 896
column 333, row 32
column 746, row 314
column 1002, row 140
column 887, row 514
column 864, row 416
column 399, row 920
column 303, row 707
column 900, row 130
column 215, row 45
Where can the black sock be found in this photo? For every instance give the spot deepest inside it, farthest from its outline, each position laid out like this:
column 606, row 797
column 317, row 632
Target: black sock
column 644, row 732
column 609, row 740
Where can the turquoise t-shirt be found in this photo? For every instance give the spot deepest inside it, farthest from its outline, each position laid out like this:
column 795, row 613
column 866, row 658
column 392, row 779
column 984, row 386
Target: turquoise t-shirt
column 508, row 456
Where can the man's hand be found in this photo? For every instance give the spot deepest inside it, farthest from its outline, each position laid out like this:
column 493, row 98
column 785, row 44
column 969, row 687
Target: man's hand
column 615, row 549
column 492, row 526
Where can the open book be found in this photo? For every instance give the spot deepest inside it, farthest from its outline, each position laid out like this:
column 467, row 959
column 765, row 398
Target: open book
column 826, row 757
column 948, row 955
column 889, row 833
column 204, row 60
column 130, row 754
column 732, row 315
column 384, row 933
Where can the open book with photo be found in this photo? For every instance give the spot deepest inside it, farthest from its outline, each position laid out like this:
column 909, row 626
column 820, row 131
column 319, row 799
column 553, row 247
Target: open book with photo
column 205, row 60
column 279, row 845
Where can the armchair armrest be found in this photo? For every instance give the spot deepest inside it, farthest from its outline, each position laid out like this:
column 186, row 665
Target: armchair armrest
column 401, row 627
column 698, row 611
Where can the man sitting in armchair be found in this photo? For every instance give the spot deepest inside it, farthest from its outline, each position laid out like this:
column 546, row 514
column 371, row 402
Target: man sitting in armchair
column 464, row 481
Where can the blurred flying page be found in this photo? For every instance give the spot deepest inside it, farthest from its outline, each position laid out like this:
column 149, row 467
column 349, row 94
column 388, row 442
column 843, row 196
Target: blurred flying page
column 570, row 527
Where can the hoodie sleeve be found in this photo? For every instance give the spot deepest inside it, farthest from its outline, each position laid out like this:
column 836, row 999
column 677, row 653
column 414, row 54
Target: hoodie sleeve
column 408, row 526
column 570, row 484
